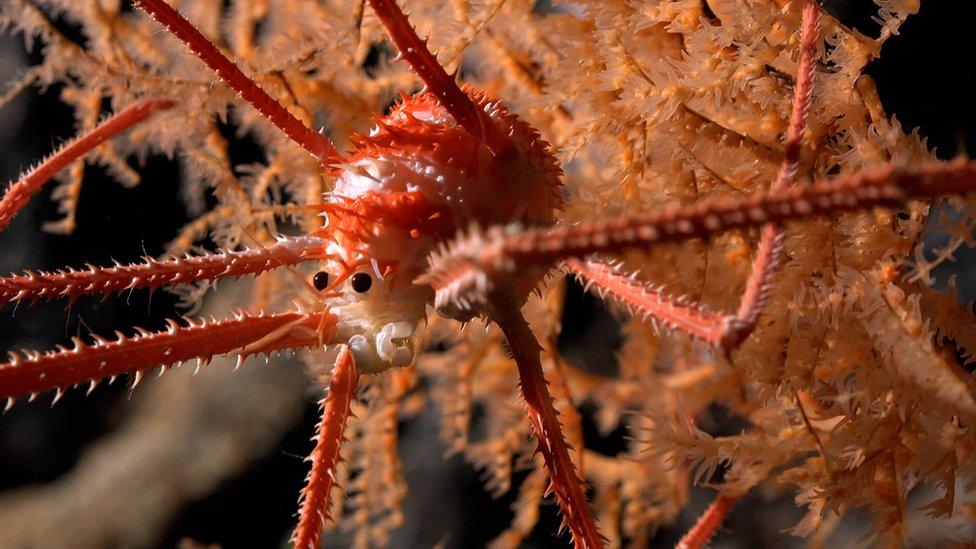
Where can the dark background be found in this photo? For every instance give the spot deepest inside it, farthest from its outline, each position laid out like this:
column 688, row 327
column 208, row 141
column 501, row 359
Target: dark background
column 925, row 77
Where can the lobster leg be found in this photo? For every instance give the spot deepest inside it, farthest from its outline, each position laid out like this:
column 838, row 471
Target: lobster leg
column 464, row 271
column 233, row 76
column 729, row 331
column 564, row 480
column 30, row 372
column 152, row 274
column 29, row 184
column 441, row 84
column 726, row 331
column 317, row 494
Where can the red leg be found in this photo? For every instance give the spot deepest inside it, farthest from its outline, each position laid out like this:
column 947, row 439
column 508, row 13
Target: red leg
column 153, row 274
column 441, row 84
column 317, row 494
column 649, row 301
column 308, row 139
column 564, row 480
column 31, row 372
column 464, row 272
column 29, row 184
column 726, row 331
column 707, row 524
column 771, row 240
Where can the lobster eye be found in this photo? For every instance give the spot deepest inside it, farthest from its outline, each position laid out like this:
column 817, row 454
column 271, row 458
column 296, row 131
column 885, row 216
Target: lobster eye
column 320, row 280
column 361, row 282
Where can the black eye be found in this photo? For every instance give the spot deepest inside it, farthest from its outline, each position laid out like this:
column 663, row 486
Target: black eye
column 320, row 280
column 361, row 282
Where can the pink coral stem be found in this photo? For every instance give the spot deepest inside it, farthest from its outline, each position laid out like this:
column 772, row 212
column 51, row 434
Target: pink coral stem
column 154, row 273
column 308, row 139
column 459, row 104
column 317, row 495
column 28, row 185
column 30, row 372
column 548, row 432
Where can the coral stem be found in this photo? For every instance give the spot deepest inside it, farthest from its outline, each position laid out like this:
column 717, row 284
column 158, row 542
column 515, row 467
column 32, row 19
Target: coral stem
column 29, row 184
column 308, row 139
column 155, row 273
column 441, row 84
column 317, row 494
column 245, row 334
column 707, row 524
column 543, row 417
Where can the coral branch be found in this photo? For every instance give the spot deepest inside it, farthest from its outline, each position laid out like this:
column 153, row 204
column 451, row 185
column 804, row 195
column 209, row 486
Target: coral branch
column 30, row 372
column 707, row 524
column 308, row 139
column 464, row 271
column 317, row 494
column 649, row 301
column 441, row 84
column 771, row 239
column 154, row 273
column 30, row 183
column 542, row 414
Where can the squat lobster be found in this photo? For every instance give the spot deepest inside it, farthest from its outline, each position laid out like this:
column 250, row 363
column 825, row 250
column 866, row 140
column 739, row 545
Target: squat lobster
column 439, row 163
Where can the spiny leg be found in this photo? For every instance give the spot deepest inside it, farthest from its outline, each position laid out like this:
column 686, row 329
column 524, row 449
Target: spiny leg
column 249, row 90
column 707, row 524
column 441, row 84
column 20, row 192
column 31, row 372
column 464, row 271
column 726, row 331
column 154, row 273
column 317, row 494
column 542, row 414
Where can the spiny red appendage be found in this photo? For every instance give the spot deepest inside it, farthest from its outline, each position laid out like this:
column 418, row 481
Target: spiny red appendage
column 317, row 494
column 771, row 240
column 469, row 265
column 564, row 480
column 155, row 273
column 649, row 301
column 459, row 104
column 20, row 192
column 707, row 524
column 31, row 372
column 308, row 139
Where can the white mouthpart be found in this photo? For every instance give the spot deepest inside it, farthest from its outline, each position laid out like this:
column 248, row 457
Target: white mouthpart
column 390, row 347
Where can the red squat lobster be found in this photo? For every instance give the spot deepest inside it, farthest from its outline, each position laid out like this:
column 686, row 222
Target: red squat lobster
column 446, row 160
